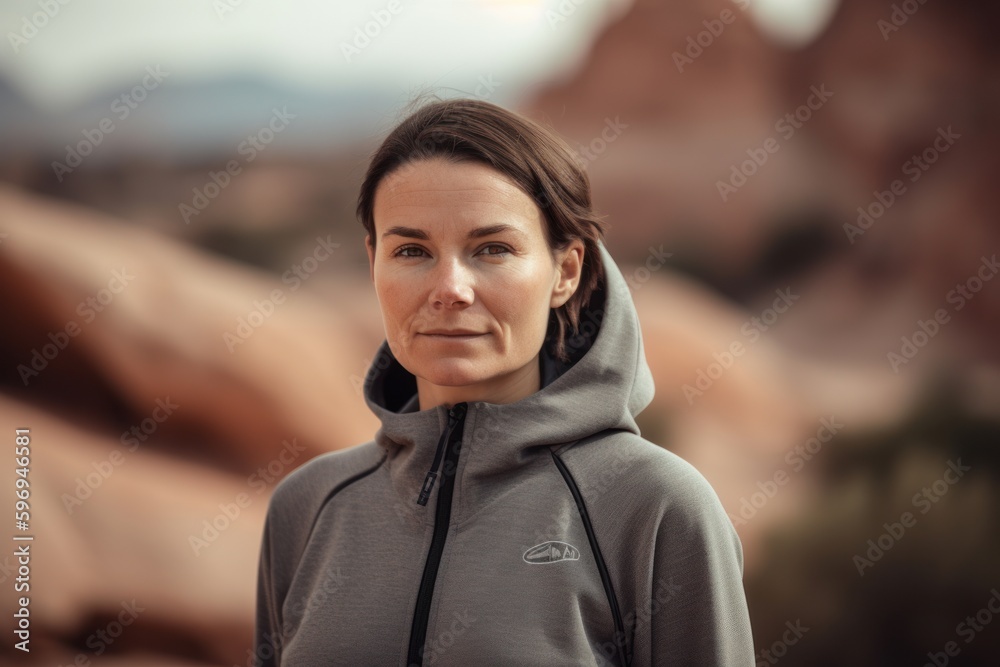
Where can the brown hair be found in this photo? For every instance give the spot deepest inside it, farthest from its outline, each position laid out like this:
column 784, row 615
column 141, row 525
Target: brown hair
column 531, row 156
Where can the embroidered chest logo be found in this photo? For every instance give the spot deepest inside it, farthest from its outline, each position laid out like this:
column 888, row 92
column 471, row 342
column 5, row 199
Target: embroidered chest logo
column 551, row 552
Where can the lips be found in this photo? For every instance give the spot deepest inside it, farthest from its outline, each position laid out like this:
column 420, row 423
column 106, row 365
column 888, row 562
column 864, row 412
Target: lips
column 454, row 336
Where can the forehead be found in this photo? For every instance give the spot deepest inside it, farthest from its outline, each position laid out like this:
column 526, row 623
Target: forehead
column 429, row 191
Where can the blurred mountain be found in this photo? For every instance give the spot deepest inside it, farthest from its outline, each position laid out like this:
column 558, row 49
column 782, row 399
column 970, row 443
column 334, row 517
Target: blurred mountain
column 657, row 138
column 194, row 121
column 672, row 116
column 21, row 122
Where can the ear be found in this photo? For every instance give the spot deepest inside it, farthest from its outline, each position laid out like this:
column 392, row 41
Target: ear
column 371, row 256
column 569, row 267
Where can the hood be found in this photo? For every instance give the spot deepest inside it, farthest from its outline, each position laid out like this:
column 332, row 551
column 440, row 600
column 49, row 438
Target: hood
column 606, row 383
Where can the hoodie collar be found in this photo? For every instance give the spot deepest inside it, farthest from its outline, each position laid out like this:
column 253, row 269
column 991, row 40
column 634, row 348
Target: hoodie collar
column 606, row 383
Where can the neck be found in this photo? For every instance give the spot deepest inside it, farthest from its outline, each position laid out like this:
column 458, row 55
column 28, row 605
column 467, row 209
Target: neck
column 507, row 388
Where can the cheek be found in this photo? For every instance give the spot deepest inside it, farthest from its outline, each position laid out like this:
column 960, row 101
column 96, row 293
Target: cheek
column 523, row 299
column 392, row 296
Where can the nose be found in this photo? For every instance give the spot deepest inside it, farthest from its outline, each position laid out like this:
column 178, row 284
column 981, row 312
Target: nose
column 452, row 284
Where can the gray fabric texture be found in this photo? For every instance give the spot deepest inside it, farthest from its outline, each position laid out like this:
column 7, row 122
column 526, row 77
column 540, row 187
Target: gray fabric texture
column 544, row 490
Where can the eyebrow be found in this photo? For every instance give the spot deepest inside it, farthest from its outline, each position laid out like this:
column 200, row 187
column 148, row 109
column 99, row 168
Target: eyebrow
column 478, row 232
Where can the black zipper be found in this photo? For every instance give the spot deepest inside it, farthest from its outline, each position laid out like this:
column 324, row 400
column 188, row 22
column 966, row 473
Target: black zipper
column 442, row 517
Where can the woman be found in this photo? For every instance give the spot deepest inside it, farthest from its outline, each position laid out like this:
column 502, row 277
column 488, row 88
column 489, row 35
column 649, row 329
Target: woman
column 508, row 511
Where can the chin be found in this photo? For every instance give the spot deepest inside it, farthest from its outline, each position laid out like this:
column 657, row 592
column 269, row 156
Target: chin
column 452, row 372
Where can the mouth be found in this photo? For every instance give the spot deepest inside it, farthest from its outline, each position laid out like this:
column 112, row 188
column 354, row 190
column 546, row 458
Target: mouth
column 455, row 336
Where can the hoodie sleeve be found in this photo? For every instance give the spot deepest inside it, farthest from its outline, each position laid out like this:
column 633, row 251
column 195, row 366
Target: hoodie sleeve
column 267, row 626
column 698, row 607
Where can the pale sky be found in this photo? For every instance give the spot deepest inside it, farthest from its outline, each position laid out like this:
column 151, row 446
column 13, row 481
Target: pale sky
column 91, row 45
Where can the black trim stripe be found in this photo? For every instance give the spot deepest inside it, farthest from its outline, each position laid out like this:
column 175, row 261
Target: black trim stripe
column 334, row 491
column 609, row 589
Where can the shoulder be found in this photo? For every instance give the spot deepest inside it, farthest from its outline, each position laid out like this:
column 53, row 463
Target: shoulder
column 626, row 471
column 302, row 492
column 666, row 504
column 296, row 502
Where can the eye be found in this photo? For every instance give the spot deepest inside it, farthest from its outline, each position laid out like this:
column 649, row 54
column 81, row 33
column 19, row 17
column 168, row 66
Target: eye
column 504, row 250
column 401, row 252
column 490, row 250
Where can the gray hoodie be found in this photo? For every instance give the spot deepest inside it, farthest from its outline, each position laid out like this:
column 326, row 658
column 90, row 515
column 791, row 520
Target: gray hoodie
column 541, row 532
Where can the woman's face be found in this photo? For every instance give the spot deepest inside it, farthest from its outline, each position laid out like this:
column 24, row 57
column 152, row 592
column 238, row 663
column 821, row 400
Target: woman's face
column 465, row 280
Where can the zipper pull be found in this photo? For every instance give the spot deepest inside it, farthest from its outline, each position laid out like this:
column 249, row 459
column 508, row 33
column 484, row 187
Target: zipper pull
column 425, row 492
column 454, row 415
